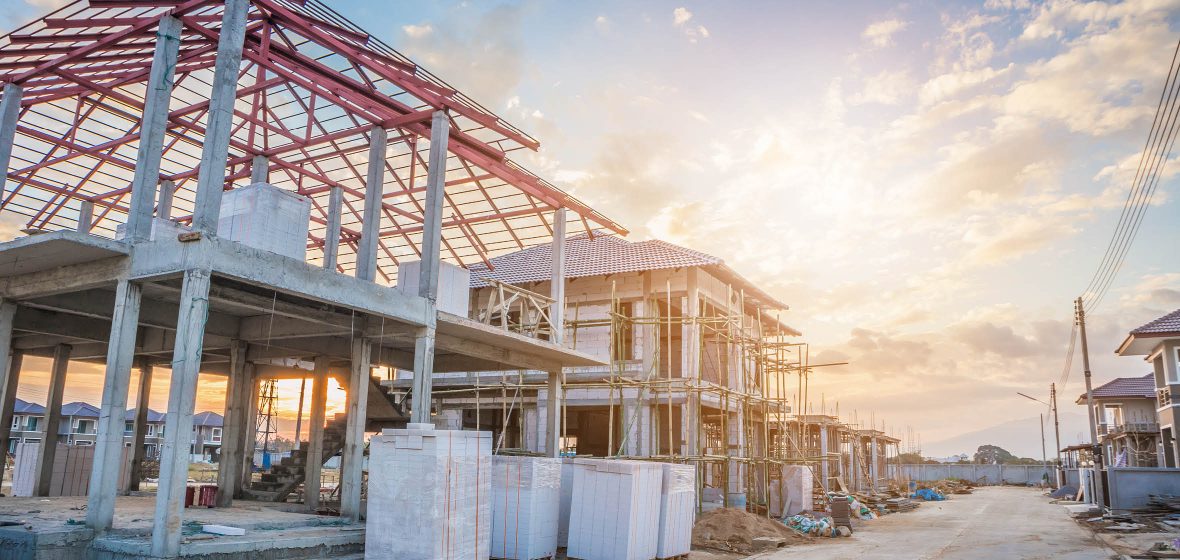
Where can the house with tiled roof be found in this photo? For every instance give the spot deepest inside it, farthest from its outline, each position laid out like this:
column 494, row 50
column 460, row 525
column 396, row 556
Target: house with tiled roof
column 1128, row 427
column 670, row 324
column 1158, row 341
column 78, row 426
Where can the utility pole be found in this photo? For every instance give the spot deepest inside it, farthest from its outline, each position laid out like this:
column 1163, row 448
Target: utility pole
column 1095, row 447
column 1044, row 455
column 1057, row 432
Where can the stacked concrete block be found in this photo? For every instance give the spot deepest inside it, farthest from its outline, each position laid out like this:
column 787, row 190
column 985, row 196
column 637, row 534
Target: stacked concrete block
column 429, row 494
column 615, row 510
column 161, row 229
column 266, row 217
column 678, row 507
column 454, row 285
column 526, row 493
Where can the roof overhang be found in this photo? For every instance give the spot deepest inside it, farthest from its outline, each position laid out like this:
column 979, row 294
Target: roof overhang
column 1144, row 344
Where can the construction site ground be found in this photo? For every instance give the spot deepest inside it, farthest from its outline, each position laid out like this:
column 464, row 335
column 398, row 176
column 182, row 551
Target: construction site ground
column 993, row 522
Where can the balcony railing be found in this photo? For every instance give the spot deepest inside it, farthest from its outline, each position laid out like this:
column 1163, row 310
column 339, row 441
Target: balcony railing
column 1136, row 428
column 1164, row 396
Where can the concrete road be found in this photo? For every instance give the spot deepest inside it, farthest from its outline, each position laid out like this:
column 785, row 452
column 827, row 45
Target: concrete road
column 994, row 522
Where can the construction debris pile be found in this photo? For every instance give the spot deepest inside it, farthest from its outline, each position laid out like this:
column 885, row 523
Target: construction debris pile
column 736, row 530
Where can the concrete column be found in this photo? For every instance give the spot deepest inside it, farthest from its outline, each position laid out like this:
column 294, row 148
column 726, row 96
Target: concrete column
column 315, row 437
column 108, row 447
column 182, row 395
column 229, row 465
column 366, row 250
column 85, row 216
column 873, row 463
column 332, row 232
column 556, row 394
column 824, row 467
column 8, row 403
column 9, row 116
column 351, row 474
column 248, row 429
column 164, row 202
column 854, row 474
column 436, row 178
column 57, row 386
column 142, row 396
column 153, row 125
column 690, row 423
column 423, row 376
column 211, row 173
column 260, row 170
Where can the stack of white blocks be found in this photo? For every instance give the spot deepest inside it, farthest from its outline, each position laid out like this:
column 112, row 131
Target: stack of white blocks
column 678, row 507
column 454, row 285
column 266, row 217
column 526, row 492
column 429, row 494
column 615, row 510
column 567, row 497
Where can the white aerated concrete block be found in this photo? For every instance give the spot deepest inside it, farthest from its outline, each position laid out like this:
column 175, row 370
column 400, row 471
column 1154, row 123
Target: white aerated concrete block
column 454, row 285
column 526, row 492
column 678, row 508
column 429, row 495
column 615, row 510
column 799, row 485
column 266, row 217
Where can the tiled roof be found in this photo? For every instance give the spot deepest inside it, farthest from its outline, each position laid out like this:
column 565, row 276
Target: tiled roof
column 1125, row 387
column 25, row 407
column 207, row 419
column 152, row 416
column 79, row 409
column 602, row 255
column 1169, row 323
column 609, row 254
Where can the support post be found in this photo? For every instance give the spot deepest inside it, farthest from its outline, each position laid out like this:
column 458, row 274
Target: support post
column 228, row 467
column 315, row 438
column 57, row 386
column 1096, row 447
column 332, row 231
column 554, row 396
column 85, row 216
column 108, row 450
column 164, row 202
column 874, row 461
column 9, row 117
column 691, row 422
column 260, row 170
column 824, row 466
column 11, row 362
column 366, row 250
column 153, row 125
column 178, row 427
column 211, row 173
column 142, row 397
column 249, row 430
column 424, row 341
column 352, row 470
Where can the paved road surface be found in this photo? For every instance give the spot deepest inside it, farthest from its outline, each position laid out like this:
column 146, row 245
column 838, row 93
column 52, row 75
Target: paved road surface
column 994, row 522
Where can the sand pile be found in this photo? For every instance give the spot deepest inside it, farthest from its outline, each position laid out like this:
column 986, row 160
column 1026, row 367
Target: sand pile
column 734, row 530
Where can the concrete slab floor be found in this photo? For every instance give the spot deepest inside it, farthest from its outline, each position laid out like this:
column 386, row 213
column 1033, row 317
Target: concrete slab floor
column 994, row 522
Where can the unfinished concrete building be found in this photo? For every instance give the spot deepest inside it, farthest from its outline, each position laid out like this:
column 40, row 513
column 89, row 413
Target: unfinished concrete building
column 234, row 188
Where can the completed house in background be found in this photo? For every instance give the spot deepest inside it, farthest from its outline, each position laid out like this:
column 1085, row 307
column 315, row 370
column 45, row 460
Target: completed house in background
column 1128, row 425
column 1159, row 343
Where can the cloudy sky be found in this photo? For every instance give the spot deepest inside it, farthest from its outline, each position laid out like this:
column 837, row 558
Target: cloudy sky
column 928, row 184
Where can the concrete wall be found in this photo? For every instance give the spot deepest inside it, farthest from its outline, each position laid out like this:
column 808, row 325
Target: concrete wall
column 1130, row 486
column 980, row 474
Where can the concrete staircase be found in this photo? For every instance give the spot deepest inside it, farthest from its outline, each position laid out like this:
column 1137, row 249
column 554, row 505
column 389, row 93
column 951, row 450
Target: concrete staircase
column 276, row 484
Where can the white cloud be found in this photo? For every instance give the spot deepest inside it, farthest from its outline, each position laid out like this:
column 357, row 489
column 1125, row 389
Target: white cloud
column 680, row 16
column 417, row 31
column 880, row 34
column 885, row 88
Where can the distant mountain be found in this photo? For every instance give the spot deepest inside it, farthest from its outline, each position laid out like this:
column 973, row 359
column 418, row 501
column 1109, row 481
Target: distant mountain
column 1022, row 437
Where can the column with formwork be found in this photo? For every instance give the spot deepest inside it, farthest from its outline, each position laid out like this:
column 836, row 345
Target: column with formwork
column 825, row 472
column 690, row 421
column 332, row 230
column 11, row 362
column 315, row 438
column 142, row 396
column 555, row 396
column 48, row 451
column 873, row 464
column 194, row 292
column 228, row 466
column 432, row 206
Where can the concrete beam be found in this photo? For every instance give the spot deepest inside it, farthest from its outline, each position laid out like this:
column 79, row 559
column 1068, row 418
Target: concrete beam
column 436, row 180
column 332, row 233
column 218, row 129
column 57, row 386
column 315, row 438
column 108, row 450
column 154, row 122
column 182, row 395
column 9, row 117
column 354, row 435
column 228, row 467
column 65, row 279
column 142, row 396
column 153, row 313
column 366, row 250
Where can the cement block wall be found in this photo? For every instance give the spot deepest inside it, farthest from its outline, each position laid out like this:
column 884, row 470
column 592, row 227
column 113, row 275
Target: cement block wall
column 980, row 474
column 1130, row 486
